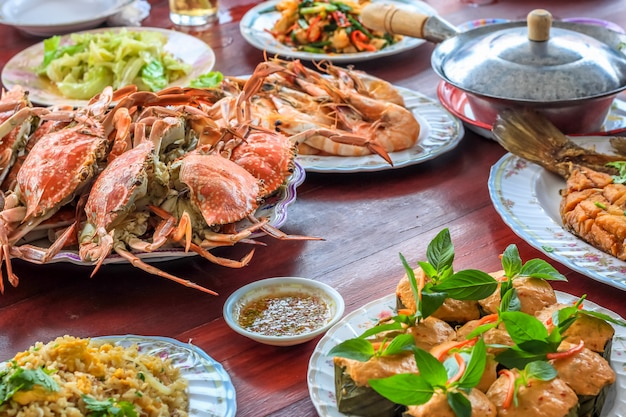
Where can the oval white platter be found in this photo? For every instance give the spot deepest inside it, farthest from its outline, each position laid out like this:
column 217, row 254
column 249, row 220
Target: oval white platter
column 321, row 373
column 258, row 21
column 440, row 132
column 527, row 198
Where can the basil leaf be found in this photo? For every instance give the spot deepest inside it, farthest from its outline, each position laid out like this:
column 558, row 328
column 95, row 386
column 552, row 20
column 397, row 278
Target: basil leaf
column 357, row 349
column 483, row 328
column 516, row 358
column 602, row 316
column 460, row 404
column 412, row 281
column 428, row 269
column 510, row 301
column 511, row 261
column 405, row 389
column 396, row 325
column 537, row 346
column 538, row 268
column 475, row 366
column 523, row 327
column 540, row 370
column 469, row 284
column 440, row 251
column 431, row 301
column 399, row 344
column 430, row 368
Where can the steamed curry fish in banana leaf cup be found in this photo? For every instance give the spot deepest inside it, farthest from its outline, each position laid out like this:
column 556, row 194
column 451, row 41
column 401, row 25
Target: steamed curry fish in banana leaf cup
column 596, row 333
column 534, row 294
column 588, row 374
column 379, row 359
column 453, row 312
column 550, row 397
column 528, row 358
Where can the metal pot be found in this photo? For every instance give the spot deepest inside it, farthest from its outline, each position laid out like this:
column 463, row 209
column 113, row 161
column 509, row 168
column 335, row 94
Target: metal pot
column 569, row 72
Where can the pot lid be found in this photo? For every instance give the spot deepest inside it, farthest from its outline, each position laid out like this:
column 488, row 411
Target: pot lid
column 531, row 62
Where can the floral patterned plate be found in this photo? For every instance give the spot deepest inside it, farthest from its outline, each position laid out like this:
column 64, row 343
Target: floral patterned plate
column 321, row 374
column 527, row 197
column 440, row 132
column 211, row 392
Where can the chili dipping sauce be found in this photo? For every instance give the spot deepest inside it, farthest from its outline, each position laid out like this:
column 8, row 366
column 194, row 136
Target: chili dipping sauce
column 285, row 314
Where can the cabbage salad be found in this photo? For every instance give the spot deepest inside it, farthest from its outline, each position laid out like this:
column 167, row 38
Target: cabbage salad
column 82, row 68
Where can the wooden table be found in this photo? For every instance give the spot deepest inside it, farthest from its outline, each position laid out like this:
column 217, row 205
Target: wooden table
column 366, row 219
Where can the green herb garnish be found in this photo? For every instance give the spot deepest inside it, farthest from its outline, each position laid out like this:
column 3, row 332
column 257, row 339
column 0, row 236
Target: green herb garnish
column 434, row 376
column 620, row 178
column 16, row 378
column 109, row 408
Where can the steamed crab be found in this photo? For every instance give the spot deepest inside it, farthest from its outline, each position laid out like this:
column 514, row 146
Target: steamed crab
column 59, row 167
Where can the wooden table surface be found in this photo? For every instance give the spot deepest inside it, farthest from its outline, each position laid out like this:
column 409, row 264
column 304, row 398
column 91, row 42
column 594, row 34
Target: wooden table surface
column 366, row 219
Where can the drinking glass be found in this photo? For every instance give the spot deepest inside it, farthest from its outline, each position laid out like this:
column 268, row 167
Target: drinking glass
column 193, row 12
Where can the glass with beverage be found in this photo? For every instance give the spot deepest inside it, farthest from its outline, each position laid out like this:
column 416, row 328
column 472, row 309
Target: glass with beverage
column 193, row 12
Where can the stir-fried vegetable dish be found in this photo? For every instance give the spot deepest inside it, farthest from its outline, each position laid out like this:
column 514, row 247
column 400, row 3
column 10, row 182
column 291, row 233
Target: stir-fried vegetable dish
column 327, row 27
column 87, row 64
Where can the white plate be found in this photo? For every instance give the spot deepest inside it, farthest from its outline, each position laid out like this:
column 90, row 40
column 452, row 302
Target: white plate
column 20, row 70
column 211, row 392
column 256, row 23
column 56, row 17
column 440, row 132
column 274, row 208
column 527, row 197
column 321, row 374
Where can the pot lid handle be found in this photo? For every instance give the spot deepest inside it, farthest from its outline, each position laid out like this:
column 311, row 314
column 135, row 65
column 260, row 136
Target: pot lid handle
column 539, row 23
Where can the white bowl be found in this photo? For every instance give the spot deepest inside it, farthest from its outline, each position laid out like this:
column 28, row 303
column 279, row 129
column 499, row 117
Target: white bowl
column 279, row 286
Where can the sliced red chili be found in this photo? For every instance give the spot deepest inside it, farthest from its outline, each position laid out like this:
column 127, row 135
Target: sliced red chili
column 567, row 353
column 359, row 39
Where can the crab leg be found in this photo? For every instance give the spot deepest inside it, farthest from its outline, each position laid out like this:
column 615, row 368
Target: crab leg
column 5, row 255
column 136, row 262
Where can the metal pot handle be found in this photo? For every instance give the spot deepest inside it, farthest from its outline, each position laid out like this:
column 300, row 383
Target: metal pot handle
column 391, row 19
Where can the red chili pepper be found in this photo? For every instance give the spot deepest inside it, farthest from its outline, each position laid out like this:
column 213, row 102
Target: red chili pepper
column 462, row 365
column 567, row 353
column 510, row 392
column 341, row 19
column 314, row 32
column 359, row 39
column 489, row 318
column 463, row 343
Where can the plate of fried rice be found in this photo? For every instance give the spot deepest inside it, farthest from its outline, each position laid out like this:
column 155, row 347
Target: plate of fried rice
column 115, row 375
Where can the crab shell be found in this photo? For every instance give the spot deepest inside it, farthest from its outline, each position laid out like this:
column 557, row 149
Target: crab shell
column 59, row 164
column 222, row 190
column 117, row 188
column 268, row 156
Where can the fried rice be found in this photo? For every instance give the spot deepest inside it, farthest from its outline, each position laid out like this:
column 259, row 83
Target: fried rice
column 89, row 371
